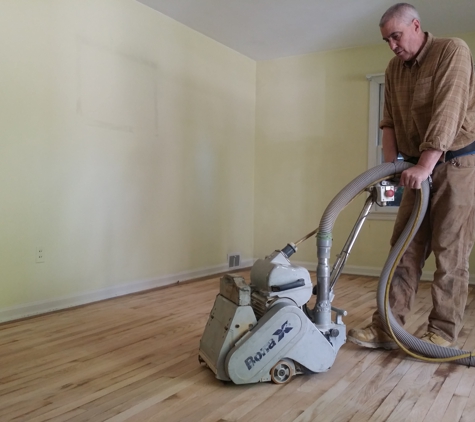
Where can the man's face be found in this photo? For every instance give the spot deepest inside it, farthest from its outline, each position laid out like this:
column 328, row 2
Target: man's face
column 403, row 39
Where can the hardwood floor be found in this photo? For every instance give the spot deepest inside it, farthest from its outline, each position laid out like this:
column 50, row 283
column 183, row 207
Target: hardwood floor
column 134, row 358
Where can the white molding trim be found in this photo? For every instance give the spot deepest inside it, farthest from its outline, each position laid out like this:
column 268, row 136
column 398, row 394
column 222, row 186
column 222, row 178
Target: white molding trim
column 369, row 271
column 83, row 298
column 371, row 76
column 374, row 148
column 386, row 216
column 373, row 121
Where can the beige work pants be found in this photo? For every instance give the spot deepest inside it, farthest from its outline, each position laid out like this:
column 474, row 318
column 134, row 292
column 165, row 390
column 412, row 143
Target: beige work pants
column 448, row 230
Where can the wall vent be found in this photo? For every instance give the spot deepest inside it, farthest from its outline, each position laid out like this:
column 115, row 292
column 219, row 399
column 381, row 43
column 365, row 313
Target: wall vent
column 234, row 260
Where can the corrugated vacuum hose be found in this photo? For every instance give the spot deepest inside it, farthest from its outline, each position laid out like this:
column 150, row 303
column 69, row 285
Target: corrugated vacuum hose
column 322, row 311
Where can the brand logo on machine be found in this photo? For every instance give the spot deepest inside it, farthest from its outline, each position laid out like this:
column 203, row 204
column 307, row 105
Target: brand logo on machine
column 280, row 333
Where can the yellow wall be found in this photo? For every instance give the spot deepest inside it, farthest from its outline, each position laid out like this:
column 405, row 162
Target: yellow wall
column 127, row 148
column 133, row 148
column 311, row 140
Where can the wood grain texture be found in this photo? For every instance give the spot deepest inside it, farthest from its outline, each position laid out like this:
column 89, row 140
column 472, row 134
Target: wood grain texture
column 135, row 358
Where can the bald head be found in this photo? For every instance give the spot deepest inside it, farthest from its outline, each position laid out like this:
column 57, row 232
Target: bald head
column 400, row 27
column 403, row 12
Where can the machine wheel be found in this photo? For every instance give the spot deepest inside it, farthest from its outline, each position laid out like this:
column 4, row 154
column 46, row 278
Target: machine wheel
column 282, row 372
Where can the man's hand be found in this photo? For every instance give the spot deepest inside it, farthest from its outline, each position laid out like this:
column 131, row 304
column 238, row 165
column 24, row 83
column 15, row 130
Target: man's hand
column 414, row 176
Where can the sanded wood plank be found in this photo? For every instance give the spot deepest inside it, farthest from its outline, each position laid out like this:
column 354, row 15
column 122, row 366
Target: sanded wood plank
column 459, row 399
column 134, row 358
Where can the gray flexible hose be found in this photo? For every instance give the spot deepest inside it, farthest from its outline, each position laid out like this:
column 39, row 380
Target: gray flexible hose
column 340, row 201
column 421, row 347
column 355, row 187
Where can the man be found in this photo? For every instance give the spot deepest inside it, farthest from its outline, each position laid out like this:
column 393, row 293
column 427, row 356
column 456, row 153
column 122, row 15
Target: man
column 429, row 118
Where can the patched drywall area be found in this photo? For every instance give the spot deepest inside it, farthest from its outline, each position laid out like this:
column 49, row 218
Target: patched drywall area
column 116, row 90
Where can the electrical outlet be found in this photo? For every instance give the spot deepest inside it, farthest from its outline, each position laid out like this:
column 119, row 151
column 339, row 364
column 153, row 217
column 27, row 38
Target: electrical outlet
column 40, row 255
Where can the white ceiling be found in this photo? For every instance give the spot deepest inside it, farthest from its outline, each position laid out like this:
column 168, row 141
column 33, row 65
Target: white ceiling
column 269, row 29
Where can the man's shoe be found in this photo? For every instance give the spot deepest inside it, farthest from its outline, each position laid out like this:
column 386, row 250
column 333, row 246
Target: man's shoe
column 434, row 338
column 372, row 337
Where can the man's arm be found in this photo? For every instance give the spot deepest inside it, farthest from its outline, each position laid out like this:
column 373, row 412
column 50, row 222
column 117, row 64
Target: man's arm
column 451, row 97
column 390, row 151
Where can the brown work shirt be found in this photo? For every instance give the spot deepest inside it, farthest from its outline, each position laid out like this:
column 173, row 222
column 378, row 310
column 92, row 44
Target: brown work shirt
column 430, row 102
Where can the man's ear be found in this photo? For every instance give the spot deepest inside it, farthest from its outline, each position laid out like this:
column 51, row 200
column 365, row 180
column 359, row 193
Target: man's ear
column 417, row 25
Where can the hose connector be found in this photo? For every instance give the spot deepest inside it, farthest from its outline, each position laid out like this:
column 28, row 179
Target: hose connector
column 289, row 250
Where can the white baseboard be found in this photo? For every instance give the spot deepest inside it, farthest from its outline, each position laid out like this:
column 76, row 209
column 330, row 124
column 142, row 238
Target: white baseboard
column 370, row 271
column 45, row 306
column 42, row 307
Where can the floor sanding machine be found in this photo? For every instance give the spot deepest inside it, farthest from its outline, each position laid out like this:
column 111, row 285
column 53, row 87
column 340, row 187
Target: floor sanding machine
column 267, row 331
